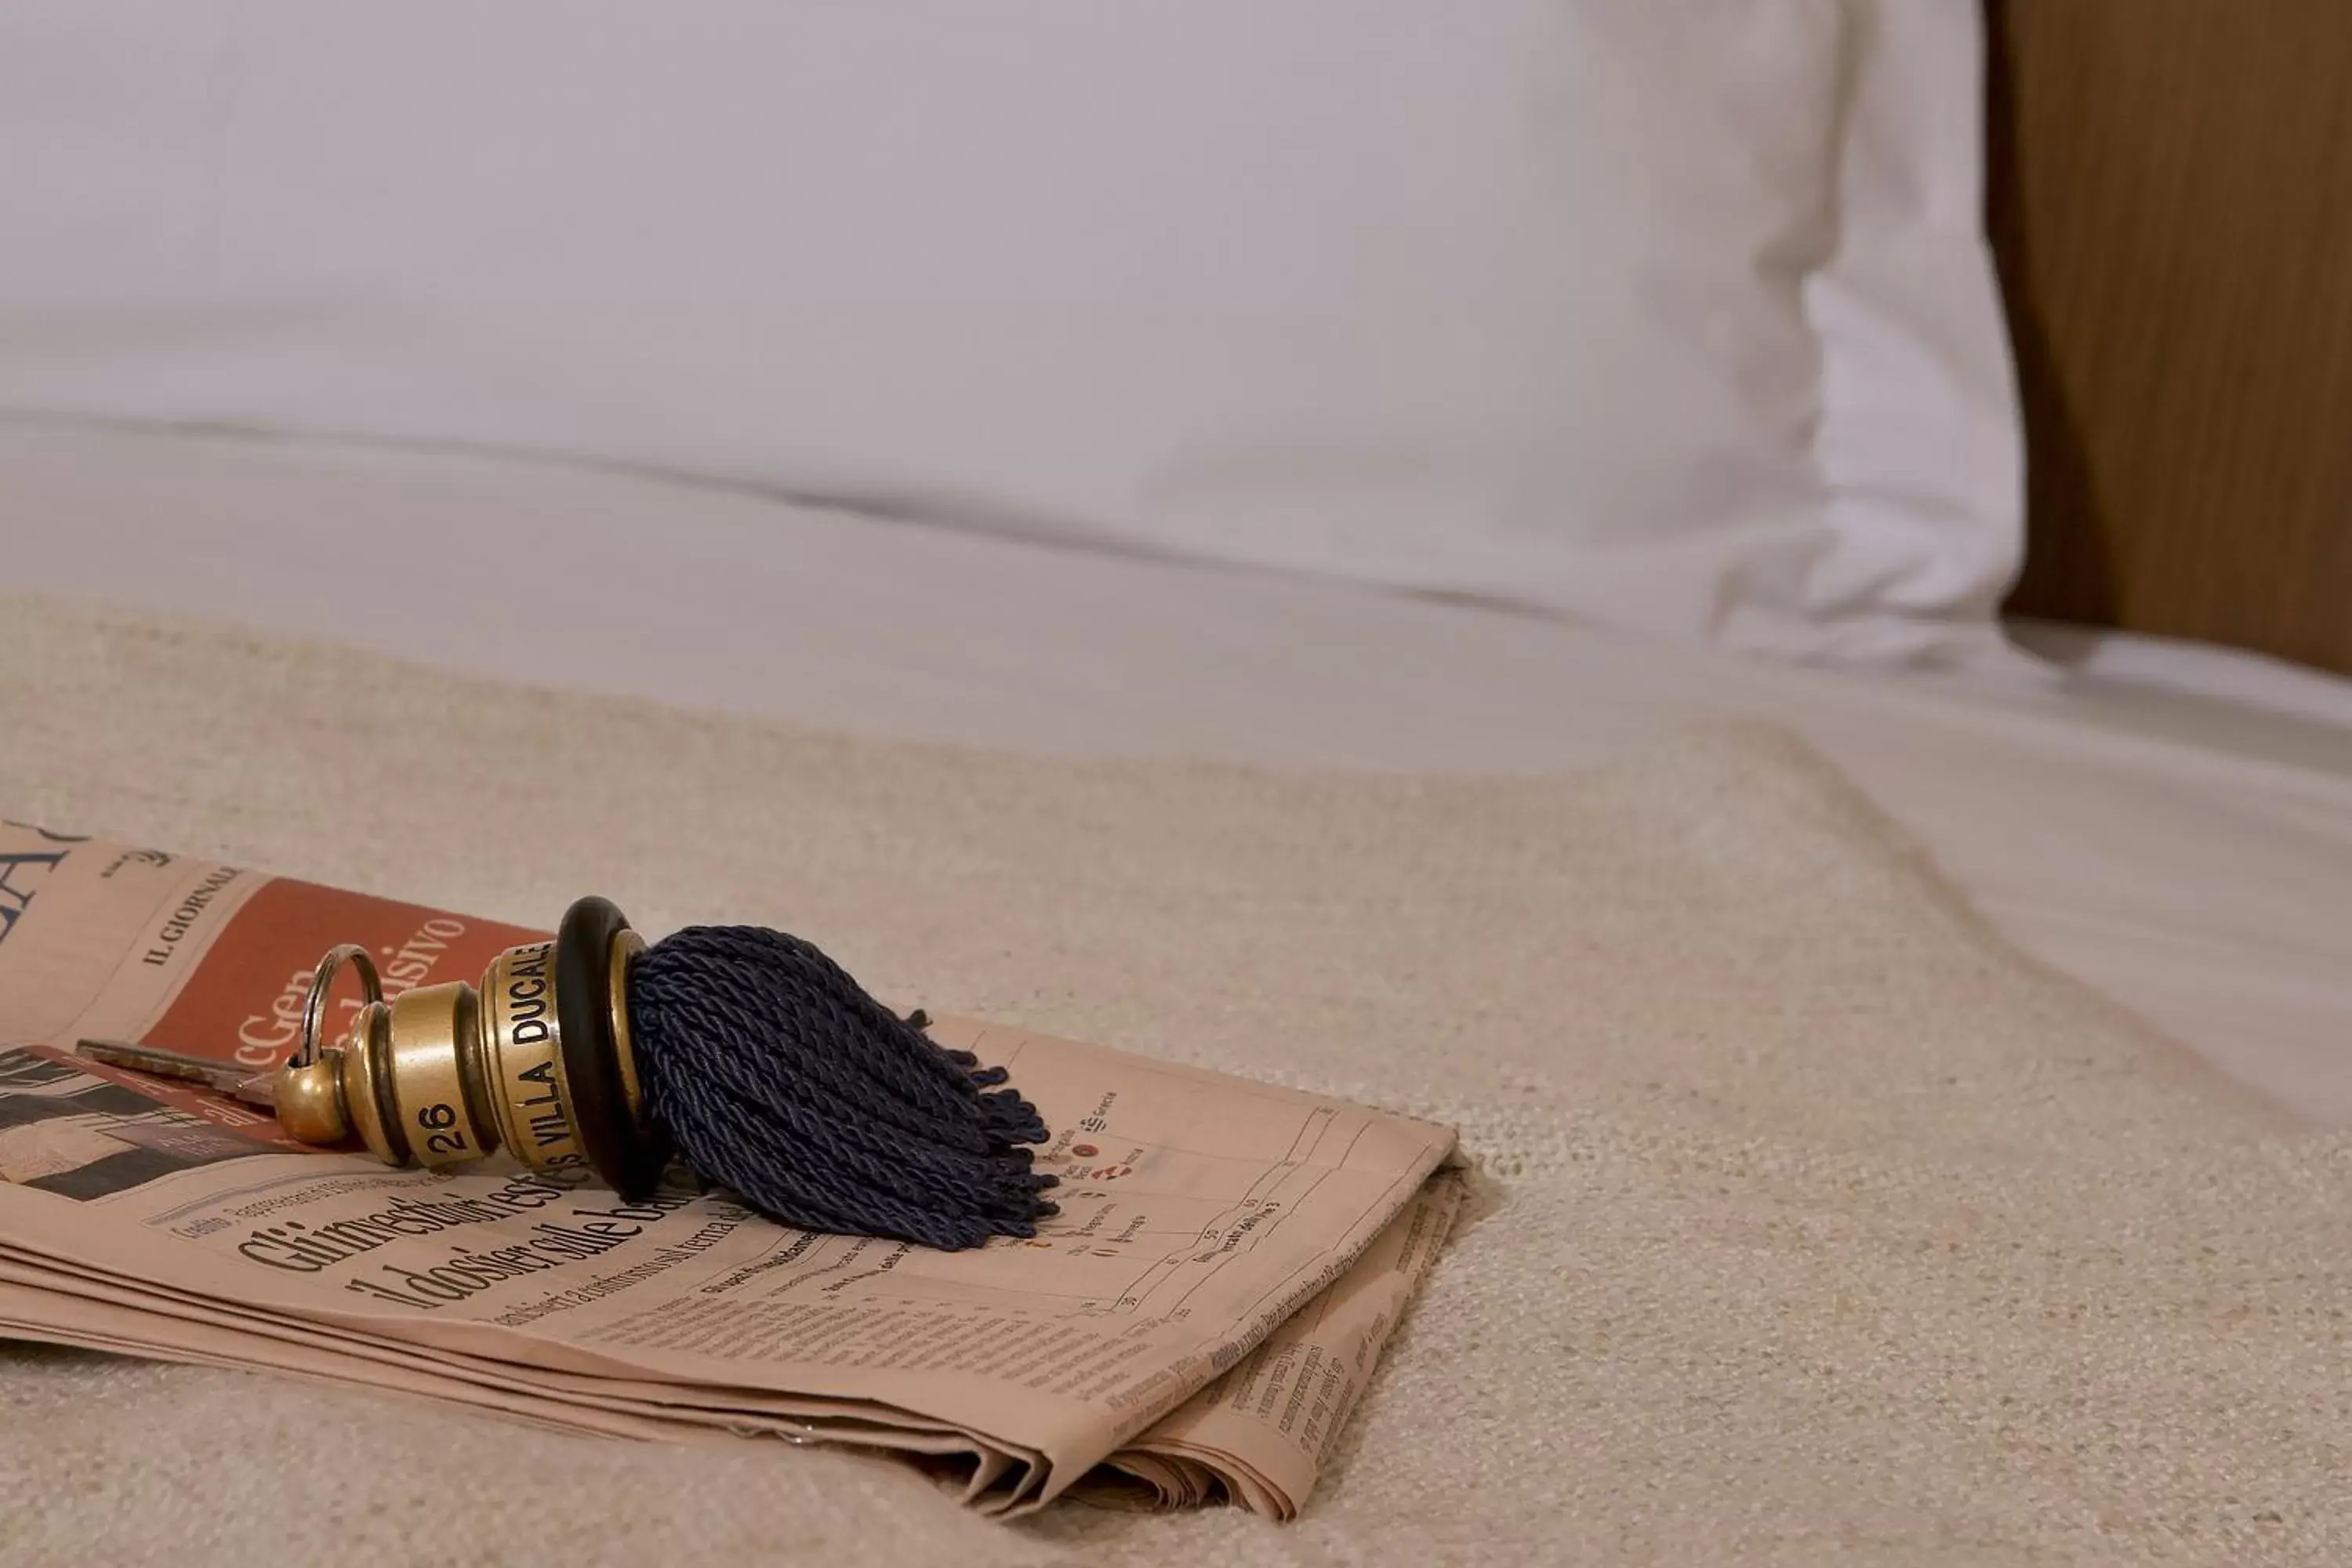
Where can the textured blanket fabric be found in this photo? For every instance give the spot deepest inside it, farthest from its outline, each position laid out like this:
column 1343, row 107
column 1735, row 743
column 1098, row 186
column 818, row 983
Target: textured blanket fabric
column 1813, row 1225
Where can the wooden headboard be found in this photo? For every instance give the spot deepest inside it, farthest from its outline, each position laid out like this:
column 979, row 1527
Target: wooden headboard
column 2170, row 202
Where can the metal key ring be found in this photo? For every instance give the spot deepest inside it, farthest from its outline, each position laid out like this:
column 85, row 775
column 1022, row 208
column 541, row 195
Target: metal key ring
column 314, row 1006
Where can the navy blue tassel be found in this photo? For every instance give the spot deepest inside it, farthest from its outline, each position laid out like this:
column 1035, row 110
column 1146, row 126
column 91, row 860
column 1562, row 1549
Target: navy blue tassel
column 777, row 1077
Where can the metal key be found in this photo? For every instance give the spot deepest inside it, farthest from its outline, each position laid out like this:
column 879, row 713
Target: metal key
column 254, row 1088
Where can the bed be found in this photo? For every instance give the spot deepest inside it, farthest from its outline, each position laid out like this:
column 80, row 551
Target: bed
column 2166, row 820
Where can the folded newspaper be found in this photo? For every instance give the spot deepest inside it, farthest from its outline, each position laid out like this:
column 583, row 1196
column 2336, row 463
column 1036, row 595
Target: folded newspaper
column 1229, row 1260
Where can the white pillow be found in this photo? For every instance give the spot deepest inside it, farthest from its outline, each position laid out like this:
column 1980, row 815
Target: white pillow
column 1672, row 313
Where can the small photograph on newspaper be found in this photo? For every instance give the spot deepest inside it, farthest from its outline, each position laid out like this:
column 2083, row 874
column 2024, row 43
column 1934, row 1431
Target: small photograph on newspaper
column 66, row 1132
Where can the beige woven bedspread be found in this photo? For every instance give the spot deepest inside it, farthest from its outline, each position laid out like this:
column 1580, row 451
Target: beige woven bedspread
column 1814, row 1225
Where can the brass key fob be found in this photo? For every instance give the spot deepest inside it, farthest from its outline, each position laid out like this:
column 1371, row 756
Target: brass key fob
column 770, row 1071
column 439, row 1075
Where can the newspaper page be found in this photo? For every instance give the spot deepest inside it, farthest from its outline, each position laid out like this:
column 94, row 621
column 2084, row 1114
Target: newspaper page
column 1199, row 1214
column 1256, row 1436
column 1259, row 1434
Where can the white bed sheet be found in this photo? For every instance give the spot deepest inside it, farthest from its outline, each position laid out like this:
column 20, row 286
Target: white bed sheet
column 2171, row 825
